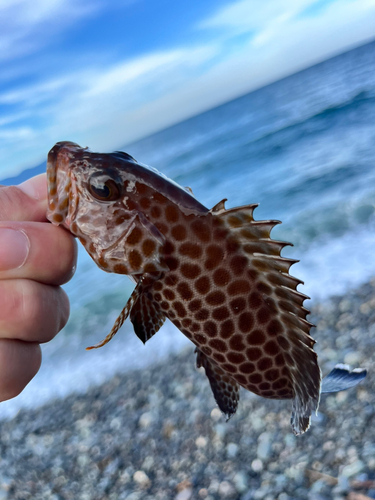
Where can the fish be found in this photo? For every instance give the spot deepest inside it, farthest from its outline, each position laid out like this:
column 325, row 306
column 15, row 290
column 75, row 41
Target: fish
column 216, row 274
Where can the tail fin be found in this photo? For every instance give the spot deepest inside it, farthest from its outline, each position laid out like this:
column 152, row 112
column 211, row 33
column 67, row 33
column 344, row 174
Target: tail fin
column 341, row 378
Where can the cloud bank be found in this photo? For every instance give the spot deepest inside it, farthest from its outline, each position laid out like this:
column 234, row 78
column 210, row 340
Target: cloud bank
column 52, row 89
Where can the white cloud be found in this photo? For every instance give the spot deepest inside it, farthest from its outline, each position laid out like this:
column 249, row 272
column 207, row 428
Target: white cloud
column 127, row 71
column 248, row 15
column 35, row 93
column 96, row 102
column 107, row 105
column 24, row 24
column 275, row 21
column 17, row 134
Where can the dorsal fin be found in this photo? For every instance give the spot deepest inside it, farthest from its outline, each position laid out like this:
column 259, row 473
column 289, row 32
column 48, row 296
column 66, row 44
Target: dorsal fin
column 272, row 270
column 237, row 216
column 219, row 207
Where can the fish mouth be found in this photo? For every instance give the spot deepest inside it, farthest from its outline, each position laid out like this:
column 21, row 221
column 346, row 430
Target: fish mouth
column 60, row 194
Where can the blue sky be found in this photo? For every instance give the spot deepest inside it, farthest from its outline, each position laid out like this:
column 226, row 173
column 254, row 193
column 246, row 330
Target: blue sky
column 104, row 74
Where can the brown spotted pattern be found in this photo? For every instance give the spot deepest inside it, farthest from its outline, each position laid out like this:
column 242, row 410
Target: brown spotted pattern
column 216, row 274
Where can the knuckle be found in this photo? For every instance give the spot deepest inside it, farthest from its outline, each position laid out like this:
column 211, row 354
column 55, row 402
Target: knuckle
column 10, row 198
column 30, row 303
column 20, row 362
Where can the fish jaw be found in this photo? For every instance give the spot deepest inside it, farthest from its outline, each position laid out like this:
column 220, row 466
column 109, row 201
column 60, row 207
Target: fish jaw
column 61, row 199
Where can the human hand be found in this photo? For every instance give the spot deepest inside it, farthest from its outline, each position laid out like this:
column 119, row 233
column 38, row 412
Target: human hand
column 35, row 258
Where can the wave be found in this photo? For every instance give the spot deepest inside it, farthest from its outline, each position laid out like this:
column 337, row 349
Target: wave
column 334, row 266
column 300, row 128
column 191, row 149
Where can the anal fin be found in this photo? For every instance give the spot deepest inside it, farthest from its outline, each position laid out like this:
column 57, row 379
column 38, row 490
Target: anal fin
column 225, row 389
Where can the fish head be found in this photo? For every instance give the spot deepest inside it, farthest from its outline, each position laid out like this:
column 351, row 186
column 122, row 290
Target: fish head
column 94, row 196
column 76, row 175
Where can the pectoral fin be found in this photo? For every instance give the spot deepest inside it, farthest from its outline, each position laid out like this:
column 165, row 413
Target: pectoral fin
column 226, row 391
column 122, row 317
column 145, row 315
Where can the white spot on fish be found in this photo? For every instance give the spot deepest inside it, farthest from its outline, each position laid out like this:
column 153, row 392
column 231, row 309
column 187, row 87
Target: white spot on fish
column 130, row 188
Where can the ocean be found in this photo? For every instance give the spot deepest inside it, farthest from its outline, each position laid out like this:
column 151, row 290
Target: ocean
column 303, row 148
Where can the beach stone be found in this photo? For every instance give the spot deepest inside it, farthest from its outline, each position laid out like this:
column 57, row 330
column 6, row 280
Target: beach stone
column 201, row 442
column 5, row 481
column 203, row 493
column 257, row 423
column 220, row 430
column 352, row 469
column 260, row 493
column 216, row 414
column 345, row 305
column 240, row 481
column 290, row 441
column 214, row 486
column 317, row 487
column 257, row 465
column 352, row 358
column 103, row 450
column 232, row 450
column 116, row 424
column 134, row 496
column 226, row 490
column 185, row 494
column 249, row 495
column 264, row 446
column 280, row 481
column 148, row 463
column 145, row 420
column 141, row 479
column 342, row 487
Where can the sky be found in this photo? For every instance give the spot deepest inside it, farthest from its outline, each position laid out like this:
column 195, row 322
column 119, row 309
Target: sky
column 104, row 74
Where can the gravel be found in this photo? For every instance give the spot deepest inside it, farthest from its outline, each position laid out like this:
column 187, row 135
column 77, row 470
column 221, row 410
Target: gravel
column 156, row 434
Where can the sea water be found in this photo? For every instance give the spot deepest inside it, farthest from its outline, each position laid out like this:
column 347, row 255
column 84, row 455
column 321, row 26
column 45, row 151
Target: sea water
column 303, row 148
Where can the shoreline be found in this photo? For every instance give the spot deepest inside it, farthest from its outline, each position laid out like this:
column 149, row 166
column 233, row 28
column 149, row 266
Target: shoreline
column 157, row 433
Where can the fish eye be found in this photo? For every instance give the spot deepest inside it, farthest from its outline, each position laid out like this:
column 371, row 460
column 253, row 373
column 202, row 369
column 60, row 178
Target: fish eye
column 103, row 187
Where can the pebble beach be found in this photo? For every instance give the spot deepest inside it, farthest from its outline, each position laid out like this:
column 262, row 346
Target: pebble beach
column 156, row 434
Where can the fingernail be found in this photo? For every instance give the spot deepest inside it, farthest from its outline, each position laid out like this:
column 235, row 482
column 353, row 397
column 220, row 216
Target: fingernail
column 14, row 248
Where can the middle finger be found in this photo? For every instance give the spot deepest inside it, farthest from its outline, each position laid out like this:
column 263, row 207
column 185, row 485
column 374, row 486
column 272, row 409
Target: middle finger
column 31, row 311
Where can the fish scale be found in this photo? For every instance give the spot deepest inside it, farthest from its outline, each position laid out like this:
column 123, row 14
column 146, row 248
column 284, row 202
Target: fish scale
column 216, row 274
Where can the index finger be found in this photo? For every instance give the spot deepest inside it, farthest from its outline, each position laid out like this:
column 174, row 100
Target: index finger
column 26, row 202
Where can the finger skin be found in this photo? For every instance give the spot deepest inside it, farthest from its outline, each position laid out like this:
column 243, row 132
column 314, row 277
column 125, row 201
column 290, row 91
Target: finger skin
column 31, row 311
column 52, row 256
column 25, row 202
column 19, row 363
column 32, row 307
